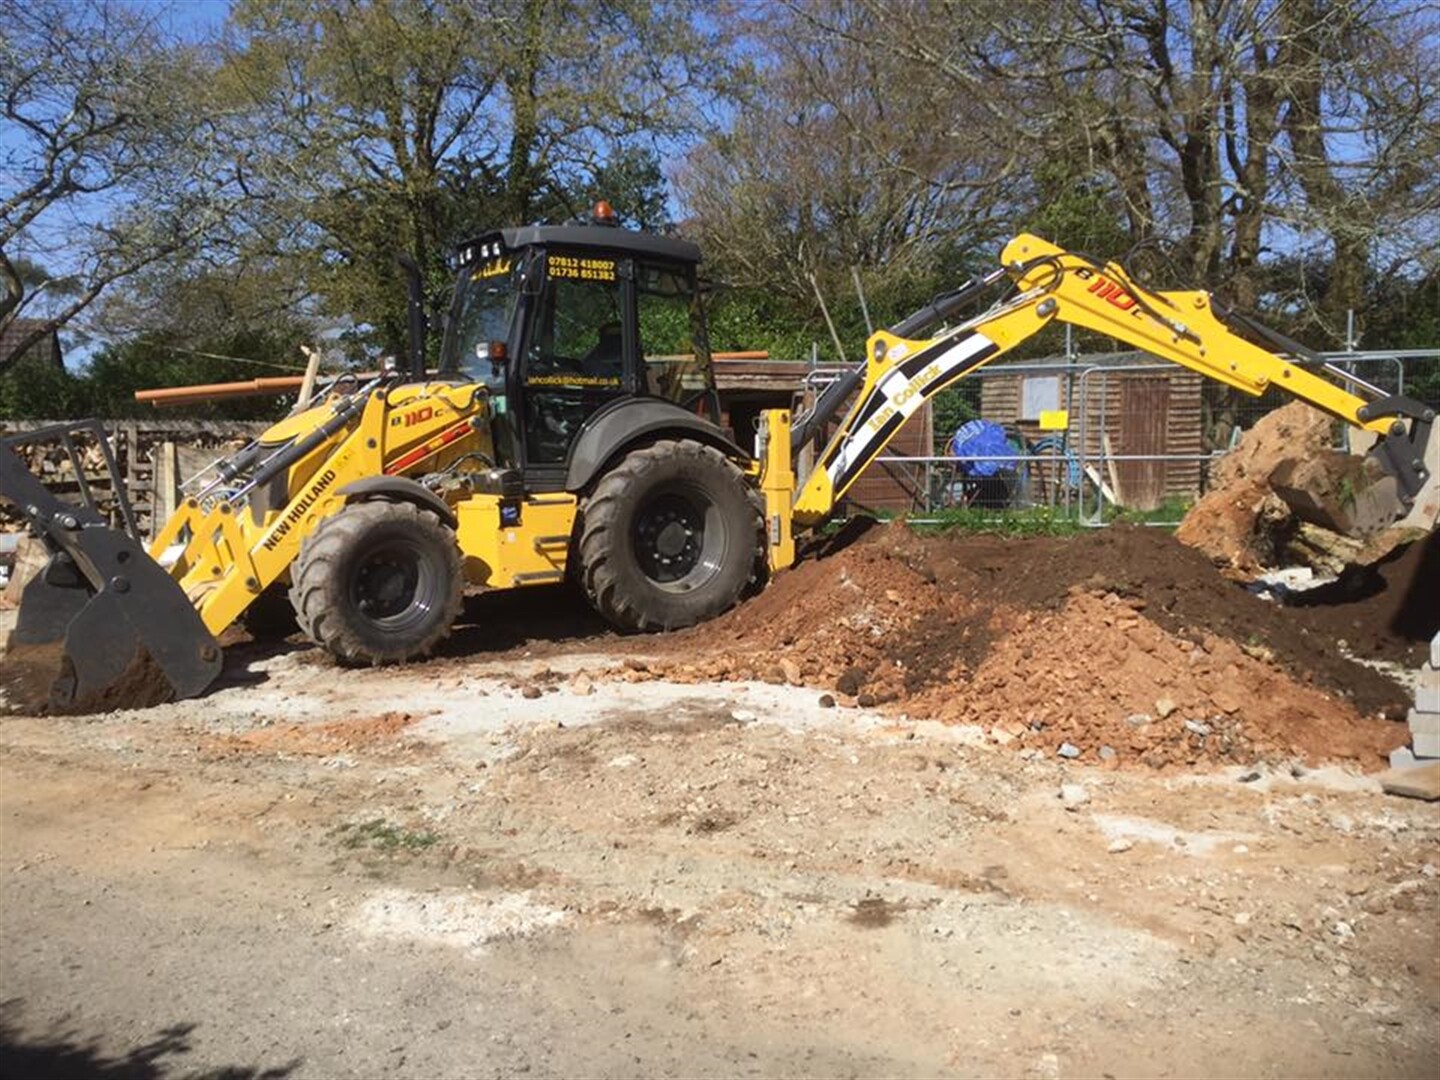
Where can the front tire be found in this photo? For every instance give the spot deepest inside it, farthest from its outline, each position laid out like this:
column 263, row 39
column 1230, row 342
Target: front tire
column 378, row 583
column 670, row 537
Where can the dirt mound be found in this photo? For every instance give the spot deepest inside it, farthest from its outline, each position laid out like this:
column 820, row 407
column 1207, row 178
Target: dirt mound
column 1098, row 674
column 1388, row 610
column 1286, row 497
column 1240, row 522
column 1294, row 431
column 1122, row 639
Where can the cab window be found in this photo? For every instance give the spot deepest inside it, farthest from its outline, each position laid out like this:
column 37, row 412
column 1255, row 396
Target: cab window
column 676, row 359
column 575, row 360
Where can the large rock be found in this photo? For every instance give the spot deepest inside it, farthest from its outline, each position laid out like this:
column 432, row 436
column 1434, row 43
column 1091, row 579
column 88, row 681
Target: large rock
column 1285, row 497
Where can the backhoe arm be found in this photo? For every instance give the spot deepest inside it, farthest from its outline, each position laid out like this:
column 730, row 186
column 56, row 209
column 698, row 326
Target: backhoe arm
column 902, row 372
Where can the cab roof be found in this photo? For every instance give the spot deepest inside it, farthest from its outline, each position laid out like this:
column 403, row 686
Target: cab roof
column 596, row 237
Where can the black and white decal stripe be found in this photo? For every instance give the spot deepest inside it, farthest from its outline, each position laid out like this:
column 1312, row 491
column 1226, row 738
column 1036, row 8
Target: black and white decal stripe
column 950, row 360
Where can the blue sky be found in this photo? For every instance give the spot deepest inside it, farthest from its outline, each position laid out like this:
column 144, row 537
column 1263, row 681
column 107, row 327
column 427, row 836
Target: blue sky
column 191, row 18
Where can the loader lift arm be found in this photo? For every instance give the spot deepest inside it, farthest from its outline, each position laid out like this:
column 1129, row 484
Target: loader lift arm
column 1189, row 328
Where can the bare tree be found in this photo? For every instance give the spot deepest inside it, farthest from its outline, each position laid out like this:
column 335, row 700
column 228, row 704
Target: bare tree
column 1241, row 131
column 839, row 158
column 108, row 165
column 1362, row 136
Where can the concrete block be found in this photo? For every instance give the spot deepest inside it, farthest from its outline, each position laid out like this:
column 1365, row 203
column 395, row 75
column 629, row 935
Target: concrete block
column 1402, row 757
column 1426, row 745
column 1423, row 723
column 1427, row 690
column 1421, row 782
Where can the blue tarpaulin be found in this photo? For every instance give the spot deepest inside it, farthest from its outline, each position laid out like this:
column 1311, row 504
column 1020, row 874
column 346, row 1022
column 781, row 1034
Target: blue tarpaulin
column 982, row 438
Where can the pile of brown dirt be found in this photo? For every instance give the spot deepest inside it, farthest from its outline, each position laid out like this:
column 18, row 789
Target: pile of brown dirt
column 1098, row 673
column 1388, row 610
column 1055, row 640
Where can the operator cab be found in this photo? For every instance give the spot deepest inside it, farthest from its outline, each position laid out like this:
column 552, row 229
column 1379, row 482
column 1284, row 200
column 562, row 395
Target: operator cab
column 560, row 321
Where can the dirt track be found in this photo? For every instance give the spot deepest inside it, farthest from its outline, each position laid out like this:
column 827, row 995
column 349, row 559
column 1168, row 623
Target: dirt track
column 324, row 873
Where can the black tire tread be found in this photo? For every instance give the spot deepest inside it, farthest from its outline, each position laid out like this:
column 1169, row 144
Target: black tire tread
column 315, row 580
column 597, row 552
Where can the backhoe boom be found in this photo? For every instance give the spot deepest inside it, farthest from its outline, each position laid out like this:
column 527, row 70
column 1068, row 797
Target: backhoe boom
column 902, row 372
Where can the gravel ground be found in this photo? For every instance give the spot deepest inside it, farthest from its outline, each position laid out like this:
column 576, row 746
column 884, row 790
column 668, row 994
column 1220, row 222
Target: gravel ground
column 496, row 867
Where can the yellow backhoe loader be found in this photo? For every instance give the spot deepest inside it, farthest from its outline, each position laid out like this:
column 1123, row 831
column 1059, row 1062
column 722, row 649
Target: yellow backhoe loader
column 571, row 431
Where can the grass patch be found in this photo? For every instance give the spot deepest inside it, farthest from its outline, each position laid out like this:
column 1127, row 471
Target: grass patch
column 1036, row 521
column 1167, row 514
column 1031, row 521
column 377, row 834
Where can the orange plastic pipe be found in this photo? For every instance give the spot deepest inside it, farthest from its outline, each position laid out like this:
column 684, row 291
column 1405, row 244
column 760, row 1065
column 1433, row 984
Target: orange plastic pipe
column 186, row 395
column 174, row 396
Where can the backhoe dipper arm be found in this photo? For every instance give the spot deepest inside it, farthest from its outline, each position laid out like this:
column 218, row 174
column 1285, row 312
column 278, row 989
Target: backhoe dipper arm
column 901, row 373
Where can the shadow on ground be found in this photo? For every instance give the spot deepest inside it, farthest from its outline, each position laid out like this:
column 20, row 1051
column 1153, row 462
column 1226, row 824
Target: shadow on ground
column 538, row 615
column 63, row 1054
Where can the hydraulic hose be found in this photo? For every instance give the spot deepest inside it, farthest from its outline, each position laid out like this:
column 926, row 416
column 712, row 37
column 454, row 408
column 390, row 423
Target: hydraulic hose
column 826, row 406
column 345, row 411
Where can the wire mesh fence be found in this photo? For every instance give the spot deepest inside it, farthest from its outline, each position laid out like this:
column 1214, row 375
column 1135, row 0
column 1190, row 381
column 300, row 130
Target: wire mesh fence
column 1097, row 438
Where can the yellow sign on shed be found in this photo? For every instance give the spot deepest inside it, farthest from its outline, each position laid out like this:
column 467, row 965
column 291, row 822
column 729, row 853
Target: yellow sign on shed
column 1054, row 420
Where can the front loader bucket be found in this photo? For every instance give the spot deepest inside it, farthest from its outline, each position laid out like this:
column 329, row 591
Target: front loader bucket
column 102, row 625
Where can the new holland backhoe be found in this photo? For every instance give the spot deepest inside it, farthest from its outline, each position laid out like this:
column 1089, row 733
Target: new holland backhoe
column 571, row 431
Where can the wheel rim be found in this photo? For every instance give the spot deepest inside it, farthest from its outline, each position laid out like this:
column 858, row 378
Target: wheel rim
column 679, row 537
column 394, row 586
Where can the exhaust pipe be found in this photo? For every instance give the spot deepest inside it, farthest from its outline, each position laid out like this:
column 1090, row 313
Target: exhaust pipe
column 416, row 323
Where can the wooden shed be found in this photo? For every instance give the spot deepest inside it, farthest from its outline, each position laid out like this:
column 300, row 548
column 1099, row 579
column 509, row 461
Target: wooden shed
column 1114, row 411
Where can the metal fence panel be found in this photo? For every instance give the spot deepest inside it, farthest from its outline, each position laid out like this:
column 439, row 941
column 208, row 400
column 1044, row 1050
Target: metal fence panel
column 1076, row 472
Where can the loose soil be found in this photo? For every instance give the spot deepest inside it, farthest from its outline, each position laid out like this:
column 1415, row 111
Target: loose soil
column 1386, row 611
column 1123, row 643
column 33, row 672
column 317, row 740
column 654, row 879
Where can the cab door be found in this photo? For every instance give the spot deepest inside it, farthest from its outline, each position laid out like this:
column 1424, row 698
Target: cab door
column 578, row 356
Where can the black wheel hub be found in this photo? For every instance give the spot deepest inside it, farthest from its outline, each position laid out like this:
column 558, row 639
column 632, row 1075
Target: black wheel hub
column 669, row 538
column 387, row 585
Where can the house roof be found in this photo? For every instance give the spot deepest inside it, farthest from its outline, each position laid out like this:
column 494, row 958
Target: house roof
column 13, row 331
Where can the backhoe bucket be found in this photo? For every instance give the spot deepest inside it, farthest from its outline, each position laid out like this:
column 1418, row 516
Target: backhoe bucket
column 102, row 625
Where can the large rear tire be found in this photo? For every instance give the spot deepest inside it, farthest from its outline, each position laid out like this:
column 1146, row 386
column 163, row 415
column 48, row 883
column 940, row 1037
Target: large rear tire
column 378, row 583
column 670, row 536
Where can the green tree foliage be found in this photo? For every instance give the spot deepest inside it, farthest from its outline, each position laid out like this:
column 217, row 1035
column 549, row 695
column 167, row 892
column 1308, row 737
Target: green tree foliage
column 106, row 386
column 35, row 389
column 386, row 125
